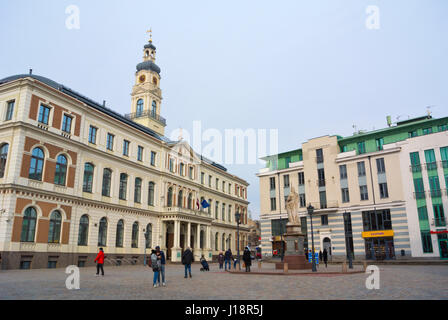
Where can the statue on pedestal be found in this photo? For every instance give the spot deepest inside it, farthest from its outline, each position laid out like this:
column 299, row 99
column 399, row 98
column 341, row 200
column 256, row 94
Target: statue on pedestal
column 292, row 207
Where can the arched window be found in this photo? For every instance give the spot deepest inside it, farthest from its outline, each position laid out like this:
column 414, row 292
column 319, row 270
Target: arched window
column 37, row 164
column 180, row 197
column 148, row 235
column 223, row 242
column 123, row 186
column 3, row 157
column 88, row 178
column 154, row 109
column 229, row 218
column 135, row 235
column 190, row 200
column 139, row 107
column 61, row 170
column 120, row 229
column 102, row 232
column 151, row 193
column 107, row 177
column 138, row 190
column 216, row 209
column 170, row 197
column 216, row 241
column 54, row 231
column 223, row 212
column 28, row 225
column 83, row 234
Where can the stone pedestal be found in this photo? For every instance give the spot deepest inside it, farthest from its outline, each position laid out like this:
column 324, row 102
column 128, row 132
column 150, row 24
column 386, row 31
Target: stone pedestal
column 294, row 255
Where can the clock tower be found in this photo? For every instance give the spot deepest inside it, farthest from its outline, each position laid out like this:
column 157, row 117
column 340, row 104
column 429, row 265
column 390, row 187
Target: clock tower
column 146, row 94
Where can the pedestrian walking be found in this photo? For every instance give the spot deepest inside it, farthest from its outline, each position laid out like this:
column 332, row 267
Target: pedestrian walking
column 100, row 262
column 187, row 259
column 325, row 256
column 155, row 268
column 228, row 257
column 247, row 259
column 162, row 265
column 221, row 260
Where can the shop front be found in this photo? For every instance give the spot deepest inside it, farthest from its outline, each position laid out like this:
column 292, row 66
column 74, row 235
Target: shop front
column 379, row 245
column 442, row 239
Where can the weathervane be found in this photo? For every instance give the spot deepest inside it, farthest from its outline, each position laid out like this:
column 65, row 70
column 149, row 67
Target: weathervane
column 150, row 34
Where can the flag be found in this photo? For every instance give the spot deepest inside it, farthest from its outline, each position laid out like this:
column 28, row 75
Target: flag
column 205, row 204
column 197, row 203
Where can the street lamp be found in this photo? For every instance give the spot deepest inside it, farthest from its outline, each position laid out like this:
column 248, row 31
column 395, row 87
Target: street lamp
column 237, row 218
column 310, row 210
column 146, row 244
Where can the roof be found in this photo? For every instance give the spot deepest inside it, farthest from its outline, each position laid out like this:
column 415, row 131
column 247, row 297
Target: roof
column 97, row 106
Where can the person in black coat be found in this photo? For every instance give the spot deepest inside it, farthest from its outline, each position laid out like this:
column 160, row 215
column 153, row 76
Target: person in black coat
column 247, row 259
column 187, row 259
column 325, row 256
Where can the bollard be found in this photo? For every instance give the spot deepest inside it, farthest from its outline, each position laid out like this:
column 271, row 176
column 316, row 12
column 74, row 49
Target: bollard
column 259, row 264
column 365, row 265
column 285, row 267
column 344, row 267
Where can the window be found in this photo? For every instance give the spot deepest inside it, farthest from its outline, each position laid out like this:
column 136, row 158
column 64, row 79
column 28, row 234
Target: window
column 3, row 157
column 37, row 164
column 28, row 225
column 153, row 158
column 345, row 195
column 217, row 183
column 180, row 199
column 415, row 162
column 343, row 172
column 376, row 220
column 209, row 209
column 273, row 204
column 301, row 178
column 110, row 142
column 25, row 265
column 223, row 186
column 229, row 218
column 216, row 209
column 442, row 127
column 171, row 165
column 210, row 181
column 444, row 157
column 140, row 153
column 135, row 235
column 230, row 188
column 321, row 177
column 419, row 188
column 439, row 216
column 286, row 180
column 324, row 220
column 412, row 134
column 67, row 124
column 361, row 169
column 361, row 147
column 83, row 234
column 181, row 169
column 272, row 183
column 380, row 165
column 151, row 193
column 384, row 193
column 119, row 237
column 427, row 131
column 170, row 197
column 278, row 226
column 52, row 264
column 202, row 177
column 138, row 190
column 61, row 170
column 190, row 201
column 154, row 109
column 430, row 157
column 54, row 231
column 323, row 199
column 102, row 232
column 107, row 177
column 44, row 114
column 126, row 148
column 139, row 107
column 88, row 178
column 92, row 134
column 426, row 242
column 379, row 144
column 319, row 156
column 9, row 110
column 364, row 192
column 223, row 212
column 148, row 236
column 190, row 173
column 302, row 201
column 123, row 186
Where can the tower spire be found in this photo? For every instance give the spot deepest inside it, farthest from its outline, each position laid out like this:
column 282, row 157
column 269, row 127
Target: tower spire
column 150, row 35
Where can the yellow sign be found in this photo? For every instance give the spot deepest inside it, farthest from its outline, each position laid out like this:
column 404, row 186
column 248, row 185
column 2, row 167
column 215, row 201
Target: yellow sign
column 377, row 234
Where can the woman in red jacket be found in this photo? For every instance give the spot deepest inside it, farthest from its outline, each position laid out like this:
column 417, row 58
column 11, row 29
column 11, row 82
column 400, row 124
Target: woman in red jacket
column 100, row 261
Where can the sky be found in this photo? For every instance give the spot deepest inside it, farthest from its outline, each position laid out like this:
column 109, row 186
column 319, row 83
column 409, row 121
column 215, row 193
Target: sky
column 305, row 68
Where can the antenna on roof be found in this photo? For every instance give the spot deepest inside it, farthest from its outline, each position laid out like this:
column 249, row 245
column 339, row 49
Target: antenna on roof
column 354, row 127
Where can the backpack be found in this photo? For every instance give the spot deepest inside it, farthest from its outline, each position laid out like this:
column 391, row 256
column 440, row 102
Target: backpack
column 154, row 265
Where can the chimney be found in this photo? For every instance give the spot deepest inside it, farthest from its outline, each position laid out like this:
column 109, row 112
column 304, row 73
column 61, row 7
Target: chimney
column 104, row 103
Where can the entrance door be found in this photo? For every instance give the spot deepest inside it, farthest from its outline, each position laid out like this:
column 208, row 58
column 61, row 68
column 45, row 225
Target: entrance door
column 443, row 245
column 327, row 245
column 169, row 244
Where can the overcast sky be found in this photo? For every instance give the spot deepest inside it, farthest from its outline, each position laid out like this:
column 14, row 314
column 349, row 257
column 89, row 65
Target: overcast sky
column 306, row 68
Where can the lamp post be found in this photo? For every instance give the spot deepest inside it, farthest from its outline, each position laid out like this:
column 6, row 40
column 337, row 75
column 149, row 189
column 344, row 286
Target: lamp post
column 144, row 252
column 310, row 210
column 348, row 243
column 237, row 218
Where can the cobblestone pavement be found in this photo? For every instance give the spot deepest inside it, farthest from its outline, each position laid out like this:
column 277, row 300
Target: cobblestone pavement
column 135, row 282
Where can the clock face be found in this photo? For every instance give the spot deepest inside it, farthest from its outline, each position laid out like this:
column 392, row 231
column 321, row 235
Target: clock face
column 142, row 78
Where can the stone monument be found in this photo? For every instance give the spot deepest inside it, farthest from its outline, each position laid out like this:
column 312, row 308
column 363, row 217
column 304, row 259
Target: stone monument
column 294, row 254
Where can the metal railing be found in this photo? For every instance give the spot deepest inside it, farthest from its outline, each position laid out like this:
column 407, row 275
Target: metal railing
column 435, row 193
column 431, row 166
column 416, row 168
column 444, row 164
column 420, row 195
column 146, row 113
column 440, row 222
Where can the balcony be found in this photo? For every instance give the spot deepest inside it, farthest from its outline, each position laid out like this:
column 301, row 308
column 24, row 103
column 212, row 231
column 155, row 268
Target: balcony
column 187, row 211
column 416, row 168
column 431, row 165
column 436, row 193
column 146, row 113
column 420, row 195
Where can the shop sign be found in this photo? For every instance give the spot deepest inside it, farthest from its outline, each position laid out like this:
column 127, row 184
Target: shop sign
column 378, row 234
